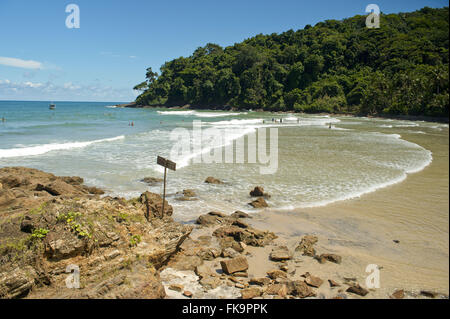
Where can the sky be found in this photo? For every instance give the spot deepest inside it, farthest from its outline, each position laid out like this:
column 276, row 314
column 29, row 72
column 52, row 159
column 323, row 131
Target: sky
column 42, row 59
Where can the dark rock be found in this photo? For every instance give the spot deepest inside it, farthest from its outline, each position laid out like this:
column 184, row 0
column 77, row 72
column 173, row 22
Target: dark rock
column 257, row 191
column 259, row 203
column 313, row 281
column 212, row 180
column 358, row 290
column 300, row 289
column 333, row 283
column 331, row 257
column 27, row 225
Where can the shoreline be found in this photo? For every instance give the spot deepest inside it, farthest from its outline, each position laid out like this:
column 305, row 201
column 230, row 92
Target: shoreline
column 424, row 118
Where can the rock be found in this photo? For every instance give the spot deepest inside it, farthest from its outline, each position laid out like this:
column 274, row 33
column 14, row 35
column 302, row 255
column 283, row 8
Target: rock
column 429, row 294
column 300, row 289
column 151, row 180
column 250, row 293
column 187, row 293
column 212, row 219
column 94, row 190
column 240, row 224
column 257, row 191
column 313, row 281
column 229, row 252
column 189, row 193
column 262, row 281
column 210, row 282
column 248, row 236
column 153, row 206
column 280, row 253
column 234, row 265
column 176, row 287
column 7, row 197
column 306, row 245
column 276, row 273
column 277, row 289
column 212, row 180
column 259, row 203
column 396, row 241
column 208, row 253
column 398, row 294
column 239, row 214
column 57, row 188
column 330, row 257
column 242, row 274
column 17, row 283
column 333, row 283
column 358, row 290
column 204, row 271
column 72, row 180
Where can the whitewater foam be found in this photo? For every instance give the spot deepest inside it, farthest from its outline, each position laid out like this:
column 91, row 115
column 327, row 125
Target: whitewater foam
column 42, row 149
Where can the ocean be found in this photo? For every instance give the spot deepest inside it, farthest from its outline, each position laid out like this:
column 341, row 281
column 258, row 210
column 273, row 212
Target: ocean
column 316, row 165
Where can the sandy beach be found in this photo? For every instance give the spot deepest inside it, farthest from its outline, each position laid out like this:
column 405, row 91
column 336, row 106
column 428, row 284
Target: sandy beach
column 413, row 212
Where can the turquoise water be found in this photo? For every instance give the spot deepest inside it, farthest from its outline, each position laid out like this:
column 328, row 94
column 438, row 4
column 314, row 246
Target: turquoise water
column 316, row 165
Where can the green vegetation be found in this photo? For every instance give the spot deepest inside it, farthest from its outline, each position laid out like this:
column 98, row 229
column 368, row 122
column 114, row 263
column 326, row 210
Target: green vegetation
column 39, row 233
column 335, row 67
column 72, row 220
column 135, row 240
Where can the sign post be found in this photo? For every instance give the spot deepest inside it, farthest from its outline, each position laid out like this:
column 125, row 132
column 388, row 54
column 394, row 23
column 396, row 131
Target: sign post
column 167, row 164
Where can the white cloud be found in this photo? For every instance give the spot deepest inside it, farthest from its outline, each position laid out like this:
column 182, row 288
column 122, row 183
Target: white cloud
column 19, row 63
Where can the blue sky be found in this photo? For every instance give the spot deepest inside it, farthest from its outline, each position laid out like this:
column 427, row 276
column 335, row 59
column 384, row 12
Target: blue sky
column 41, row 59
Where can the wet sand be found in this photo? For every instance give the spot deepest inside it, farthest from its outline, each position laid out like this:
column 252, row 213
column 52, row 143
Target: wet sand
column 414, row 212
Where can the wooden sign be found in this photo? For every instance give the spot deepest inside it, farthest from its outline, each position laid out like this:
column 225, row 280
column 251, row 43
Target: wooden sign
column 166, row 163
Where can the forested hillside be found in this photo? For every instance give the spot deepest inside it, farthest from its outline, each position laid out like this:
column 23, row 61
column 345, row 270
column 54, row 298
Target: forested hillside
column 334, row 66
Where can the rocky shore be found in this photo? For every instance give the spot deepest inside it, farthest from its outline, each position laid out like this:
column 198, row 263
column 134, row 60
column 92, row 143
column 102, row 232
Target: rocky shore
column 122, row 248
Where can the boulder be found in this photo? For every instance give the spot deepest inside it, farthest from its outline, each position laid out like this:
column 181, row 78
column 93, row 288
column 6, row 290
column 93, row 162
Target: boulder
column 239, row 214
column 212, row 218
column 313, row 281
column 276, row 273
column 299, row 289
column 263, row 281
column 250, row 293
column 189, row 193
column 277, row 289
column 358, row 290
column 153, row 206
column 212, row 180
column 257, row 192
column 280, row 253
column 240, row 224
column 27, row 225
column 333, row 283
column 58, row 188
column 249, row 236
column 306, row 245
column 234, row 265
column 259, row 203
column 330, row 257
column 151, row 181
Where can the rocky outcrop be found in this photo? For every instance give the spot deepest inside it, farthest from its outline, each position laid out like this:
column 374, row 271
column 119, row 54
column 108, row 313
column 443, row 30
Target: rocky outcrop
column 248, row 236
column 213, row 180
column 258, row 191
column 259, row 203
column 153, row 206
column 55, row 222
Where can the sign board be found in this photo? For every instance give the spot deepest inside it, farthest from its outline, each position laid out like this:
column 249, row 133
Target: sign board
column 166, row 163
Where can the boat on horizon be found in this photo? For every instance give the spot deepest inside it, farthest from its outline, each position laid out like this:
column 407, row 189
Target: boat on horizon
column 52, row 106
